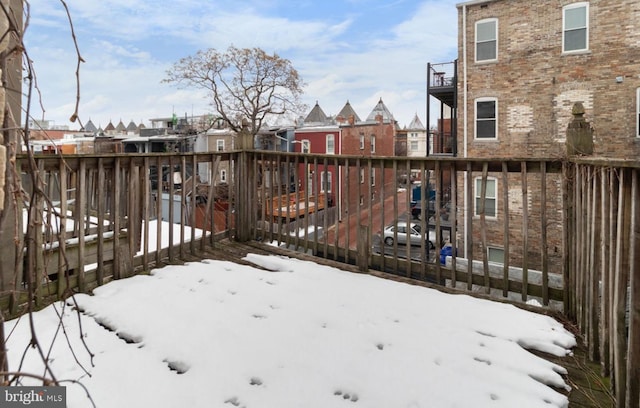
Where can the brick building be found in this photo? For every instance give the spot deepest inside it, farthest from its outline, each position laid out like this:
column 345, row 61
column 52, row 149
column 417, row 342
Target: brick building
column 347, row 134
column 319, row 135
column 521, row 67
column 373, row 137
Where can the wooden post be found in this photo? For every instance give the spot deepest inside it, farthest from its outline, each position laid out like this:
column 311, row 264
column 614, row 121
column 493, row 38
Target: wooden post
column 363, row 248
column 505, row 229
column 525, row 233
column 483, row 228
column 81, row 193
column 579, row 139
column 621, row 285
column 243, row 177
column 568, row 212
column 605, row 259
column 633, row 354
column 116, row 218
column 543, row 233
column 146, row 199
column 468, row 239
column 63, row 267
column 101, row 220
column 595, row 267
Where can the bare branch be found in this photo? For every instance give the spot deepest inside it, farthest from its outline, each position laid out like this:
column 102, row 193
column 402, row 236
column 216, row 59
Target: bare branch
column 243, row 84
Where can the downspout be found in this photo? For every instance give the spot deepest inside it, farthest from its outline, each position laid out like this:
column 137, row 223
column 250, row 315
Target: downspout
column 464, row 117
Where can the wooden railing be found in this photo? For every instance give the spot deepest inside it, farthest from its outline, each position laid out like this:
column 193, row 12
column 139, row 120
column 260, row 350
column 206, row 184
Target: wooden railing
column 91, row 219
column 567, row 232
column 603, row 267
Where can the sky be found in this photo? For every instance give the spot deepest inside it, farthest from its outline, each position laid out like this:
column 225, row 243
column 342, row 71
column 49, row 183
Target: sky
column 282, row 332
column 350, row 50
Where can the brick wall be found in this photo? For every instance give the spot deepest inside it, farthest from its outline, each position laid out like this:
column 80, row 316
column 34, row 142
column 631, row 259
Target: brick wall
column 535, row 86
column 384, row 133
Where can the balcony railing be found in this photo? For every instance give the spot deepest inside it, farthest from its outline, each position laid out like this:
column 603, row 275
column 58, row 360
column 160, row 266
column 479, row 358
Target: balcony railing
column 560, row 234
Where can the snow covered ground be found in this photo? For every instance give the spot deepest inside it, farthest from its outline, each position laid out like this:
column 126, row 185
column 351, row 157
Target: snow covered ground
column 220, row 334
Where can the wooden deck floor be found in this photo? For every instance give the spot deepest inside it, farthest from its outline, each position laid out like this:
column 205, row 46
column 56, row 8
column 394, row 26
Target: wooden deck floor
column 588, row 388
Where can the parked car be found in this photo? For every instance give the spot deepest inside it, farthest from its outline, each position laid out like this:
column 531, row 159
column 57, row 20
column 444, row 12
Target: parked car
column 408, row 232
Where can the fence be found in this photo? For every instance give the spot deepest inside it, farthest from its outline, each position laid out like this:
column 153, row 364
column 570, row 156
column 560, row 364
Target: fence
column 603, row 264
column 91, row 219
column 370, row 194
column 563, row 234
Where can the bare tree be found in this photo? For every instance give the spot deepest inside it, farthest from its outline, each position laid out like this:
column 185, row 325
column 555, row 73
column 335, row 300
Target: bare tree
column 247, row 86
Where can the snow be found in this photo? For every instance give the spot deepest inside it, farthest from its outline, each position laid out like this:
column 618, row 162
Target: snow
column 299, row 334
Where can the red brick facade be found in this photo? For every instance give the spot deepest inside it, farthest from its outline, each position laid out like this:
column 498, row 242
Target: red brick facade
column 368, row 139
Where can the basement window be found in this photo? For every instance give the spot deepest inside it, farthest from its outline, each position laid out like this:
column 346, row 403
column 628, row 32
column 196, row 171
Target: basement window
column 495, row 254
column 490, row 200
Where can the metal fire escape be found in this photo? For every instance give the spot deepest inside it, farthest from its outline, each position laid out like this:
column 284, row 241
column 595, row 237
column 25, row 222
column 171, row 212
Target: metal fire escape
column 442, row 95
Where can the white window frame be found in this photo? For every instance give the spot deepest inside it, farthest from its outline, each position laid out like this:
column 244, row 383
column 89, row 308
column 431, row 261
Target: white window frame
column 223, row 176
column 361, row 176
column 638, row 112
column 574, row 6
column 306, row 146
column 495, row 118
column 413, row 145
column 477, row 185
column 495, row 39
column 373, row 178
column 361, row 141
column 326, row 182
column 330, row 142
column 495, row 250
column 373, row 143
column 219, row 145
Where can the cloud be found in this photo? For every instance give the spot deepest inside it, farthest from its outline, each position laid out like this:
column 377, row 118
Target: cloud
column 358, row 50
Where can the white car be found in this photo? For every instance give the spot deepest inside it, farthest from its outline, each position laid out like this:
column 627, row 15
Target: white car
column 402, row 229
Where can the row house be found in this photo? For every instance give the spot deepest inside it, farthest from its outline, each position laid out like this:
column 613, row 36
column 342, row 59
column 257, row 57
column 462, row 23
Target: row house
column 348, row 135
column 521, row 67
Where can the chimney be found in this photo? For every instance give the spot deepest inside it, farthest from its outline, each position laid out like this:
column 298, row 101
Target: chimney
column 352, row 120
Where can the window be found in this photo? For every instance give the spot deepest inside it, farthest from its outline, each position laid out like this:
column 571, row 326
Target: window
column 638, row 112
column 373, row 143
column 306, row 146
column 223, row 176
column 575, row 27
column 495, row 254
column 361, row 141
column 490, row 202
column 331, row 147
column 487, row 40
column 486, row 118
column 413, row 145
column 361, row 176
column 220, row 145
column 325, row 182
column 373, row 177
